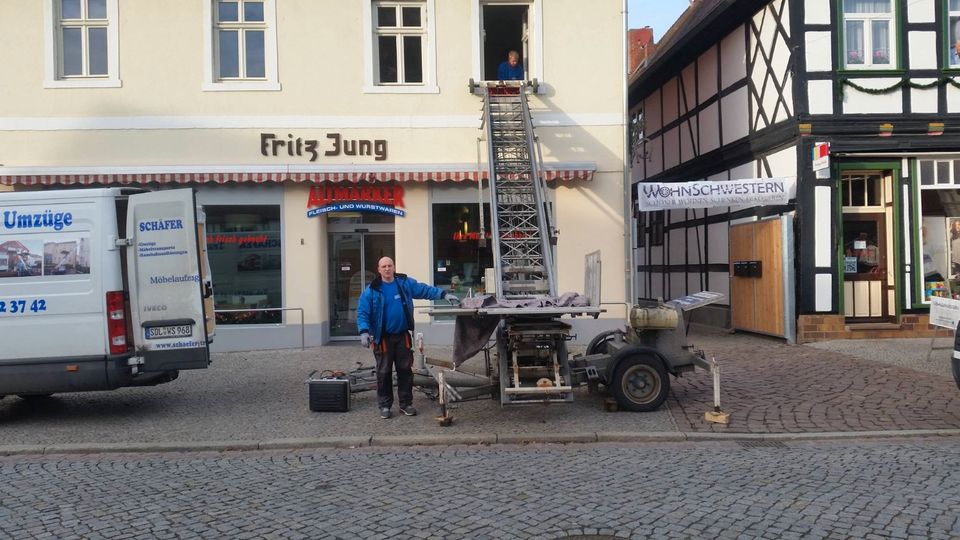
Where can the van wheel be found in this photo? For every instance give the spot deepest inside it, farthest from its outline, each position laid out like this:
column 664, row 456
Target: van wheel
column 640, row 383
column 33, row 397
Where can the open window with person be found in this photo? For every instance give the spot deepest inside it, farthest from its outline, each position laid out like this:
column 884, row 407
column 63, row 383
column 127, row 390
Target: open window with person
column 507, row 40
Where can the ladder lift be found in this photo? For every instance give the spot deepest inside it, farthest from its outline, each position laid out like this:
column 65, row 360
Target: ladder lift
column 633, row 363
column 531, row 344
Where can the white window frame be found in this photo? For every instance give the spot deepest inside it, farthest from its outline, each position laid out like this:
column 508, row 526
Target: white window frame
column 370, row 57
column 51, row 45
column 535, row 43
column 270, row 81
column 868, row 19
column 952, row 16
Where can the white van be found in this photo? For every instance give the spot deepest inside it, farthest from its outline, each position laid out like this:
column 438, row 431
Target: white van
column 101, row 289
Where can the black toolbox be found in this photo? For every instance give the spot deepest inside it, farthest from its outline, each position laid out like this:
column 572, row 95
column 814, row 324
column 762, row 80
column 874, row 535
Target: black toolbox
column 328, row 393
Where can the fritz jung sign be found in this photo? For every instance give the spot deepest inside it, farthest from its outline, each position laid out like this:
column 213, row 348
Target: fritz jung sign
column 711, row 194
column 377, row 199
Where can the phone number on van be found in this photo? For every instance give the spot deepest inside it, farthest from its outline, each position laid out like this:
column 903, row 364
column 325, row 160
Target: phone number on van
column 21, row 306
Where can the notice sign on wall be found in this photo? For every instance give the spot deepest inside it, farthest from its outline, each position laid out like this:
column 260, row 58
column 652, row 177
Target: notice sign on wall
column 944, row 312
column 712, row 194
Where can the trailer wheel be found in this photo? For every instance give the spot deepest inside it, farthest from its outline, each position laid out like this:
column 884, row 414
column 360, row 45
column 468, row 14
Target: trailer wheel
column 640, row 383
column 598, row 345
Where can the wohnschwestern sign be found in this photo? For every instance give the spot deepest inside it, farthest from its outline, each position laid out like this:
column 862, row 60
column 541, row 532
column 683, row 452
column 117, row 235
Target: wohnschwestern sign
column 711, row 194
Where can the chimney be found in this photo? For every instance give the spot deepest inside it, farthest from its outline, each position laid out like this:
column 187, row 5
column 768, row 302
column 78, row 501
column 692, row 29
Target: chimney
column 641, row 45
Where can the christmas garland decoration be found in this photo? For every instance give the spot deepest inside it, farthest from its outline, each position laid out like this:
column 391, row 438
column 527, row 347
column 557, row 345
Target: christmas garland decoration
column 904, row 82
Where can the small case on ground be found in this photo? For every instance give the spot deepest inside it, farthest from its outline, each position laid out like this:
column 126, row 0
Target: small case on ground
column 328, row 393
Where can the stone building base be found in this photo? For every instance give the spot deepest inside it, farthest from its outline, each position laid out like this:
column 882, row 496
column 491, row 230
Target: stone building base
column 827, row 327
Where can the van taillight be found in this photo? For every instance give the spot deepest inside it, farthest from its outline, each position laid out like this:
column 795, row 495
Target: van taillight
column 116, row 323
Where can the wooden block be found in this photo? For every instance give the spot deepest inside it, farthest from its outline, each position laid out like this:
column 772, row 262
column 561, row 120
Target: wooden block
column 717, row 417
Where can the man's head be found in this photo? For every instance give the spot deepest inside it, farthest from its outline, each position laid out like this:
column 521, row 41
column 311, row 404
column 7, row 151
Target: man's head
column 513, row 58
column 386, row 269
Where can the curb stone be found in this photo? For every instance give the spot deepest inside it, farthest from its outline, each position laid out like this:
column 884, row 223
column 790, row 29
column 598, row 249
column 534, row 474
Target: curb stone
column 456, row 439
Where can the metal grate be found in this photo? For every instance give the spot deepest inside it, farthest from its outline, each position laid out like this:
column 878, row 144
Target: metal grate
column 762, row 444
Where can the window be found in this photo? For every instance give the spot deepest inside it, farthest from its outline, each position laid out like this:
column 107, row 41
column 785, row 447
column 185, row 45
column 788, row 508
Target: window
column 868, row 30
column 656, row 227
column 401, row 50
column 399, row 41
column 503, row 26
column 81, row 43
column 641, row 218
column 954, row 32
column 243, row 245
column 939, row 172
column 458, row 258
column 862, row 190
column 241, row 45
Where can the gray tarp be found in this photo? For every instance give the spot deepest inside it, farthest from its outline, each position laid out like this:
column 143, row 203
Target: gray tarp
column 472, row 332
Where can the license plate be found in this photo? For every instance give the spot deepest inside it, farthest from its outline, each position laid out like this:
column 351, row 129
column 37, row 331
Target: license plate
column 159, row 332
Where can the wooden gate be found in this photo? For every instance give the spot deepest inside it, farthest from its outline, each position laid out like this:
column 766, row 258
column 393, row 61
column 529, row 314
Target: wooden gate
column 756, row 277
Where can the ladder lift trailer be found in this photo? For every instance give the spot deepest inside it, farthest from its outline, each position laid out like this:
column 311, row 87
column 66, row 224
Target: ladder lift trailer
column 534, row 366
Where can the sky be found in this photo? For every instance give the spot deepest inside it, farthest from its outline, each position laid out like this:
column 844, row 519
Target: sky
column 659, row 14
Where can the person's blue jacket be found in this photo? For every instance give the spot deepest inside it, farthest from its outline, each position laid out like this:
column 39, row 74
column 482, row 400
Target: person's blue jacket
column 370, row 312
column 507, row 73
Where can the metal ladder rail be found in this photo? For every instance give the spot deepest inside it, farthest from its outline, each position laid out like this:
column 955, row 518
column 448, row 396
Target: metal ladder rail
column 522, row 244
column 538, row 190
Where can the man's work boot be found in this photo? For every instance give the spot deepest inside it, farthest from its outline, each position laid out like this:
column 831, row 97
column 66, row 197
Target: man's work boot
column 385, row 413
column 408, row 410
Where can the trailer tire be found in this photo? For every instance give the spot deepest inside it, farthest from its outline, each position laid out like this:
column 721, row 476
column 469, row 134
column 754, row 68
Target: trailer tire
column 598, row 345
column 640, row 383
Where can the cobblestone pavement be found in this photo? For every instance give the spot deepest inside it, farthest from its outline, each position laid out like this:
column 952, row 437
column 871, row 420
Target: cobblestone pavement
column 262, row 395
column 769, row 386
column 890, row 489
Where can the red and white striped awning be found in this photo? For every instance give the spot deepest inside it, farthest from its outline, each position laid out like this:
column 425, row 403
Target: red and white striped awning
column 313, row 177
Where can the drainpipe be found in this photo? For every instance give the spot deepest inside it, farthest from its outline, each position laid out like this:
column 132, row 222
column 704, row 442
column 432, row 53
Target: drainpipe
column 629, row 230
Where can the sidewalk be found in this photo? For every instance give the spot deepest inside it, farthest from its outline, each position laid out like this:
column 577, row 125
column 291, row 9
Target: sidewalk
column 259, row 399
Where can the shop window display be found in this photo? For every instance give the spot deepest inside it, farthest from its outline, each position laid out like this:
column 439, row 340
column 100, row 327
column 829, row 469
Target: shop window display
column 940, row 242
column 459, row 260
column 243, row 244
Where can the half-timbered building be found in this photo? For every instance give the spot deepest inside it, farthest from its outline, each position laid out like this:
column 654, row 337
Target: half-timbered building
column 855, row 100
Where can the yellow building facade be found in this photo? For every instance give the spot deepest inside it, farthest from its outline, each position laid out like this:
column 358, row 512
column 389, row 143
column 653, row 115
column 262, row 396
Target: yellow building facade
column 284, row 114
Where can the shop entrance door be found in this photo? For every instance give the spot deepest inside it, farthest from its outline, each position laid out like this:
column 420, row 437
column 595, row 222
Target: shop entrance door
column 867, row 256
column 865, row 286
column 352, row 266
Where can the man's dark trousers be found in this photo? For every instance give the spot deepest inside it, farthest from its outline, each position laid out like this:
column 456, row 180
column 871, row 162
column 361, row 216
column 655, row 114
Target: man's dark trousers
column 394, row 350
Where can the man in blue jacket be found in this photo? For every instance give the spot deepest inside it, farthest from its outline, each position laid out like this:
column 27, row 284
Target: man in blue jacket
column 385, row 321
column 510, row 69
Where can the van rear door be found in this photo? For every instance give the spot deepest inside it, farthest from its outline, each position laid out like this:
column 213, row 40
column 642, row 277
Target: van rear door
column 166, row 289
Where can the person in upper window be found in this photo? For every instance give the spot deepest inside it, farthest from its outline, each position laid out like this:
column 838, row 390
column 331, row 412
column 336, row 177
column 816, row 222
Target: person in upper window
column 510, row 69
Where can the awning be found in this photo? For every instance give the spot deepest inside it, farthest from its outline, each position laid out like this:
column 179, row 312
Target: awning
column 259, row 175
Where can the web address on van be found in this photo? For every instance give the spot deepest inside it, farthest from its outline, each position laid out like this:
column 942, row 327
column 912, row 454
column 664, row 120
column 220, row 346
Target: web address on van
column 179, row 345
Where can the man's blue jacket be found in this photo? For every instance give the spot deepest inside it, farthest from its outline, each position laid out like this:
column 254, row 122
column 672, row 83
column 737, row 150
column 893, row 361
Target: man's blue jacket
column 370, row 312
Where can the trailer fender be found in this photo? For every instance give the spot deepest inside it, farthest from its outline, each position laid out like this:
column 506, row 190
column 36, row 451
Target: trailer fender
column 598, row 345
